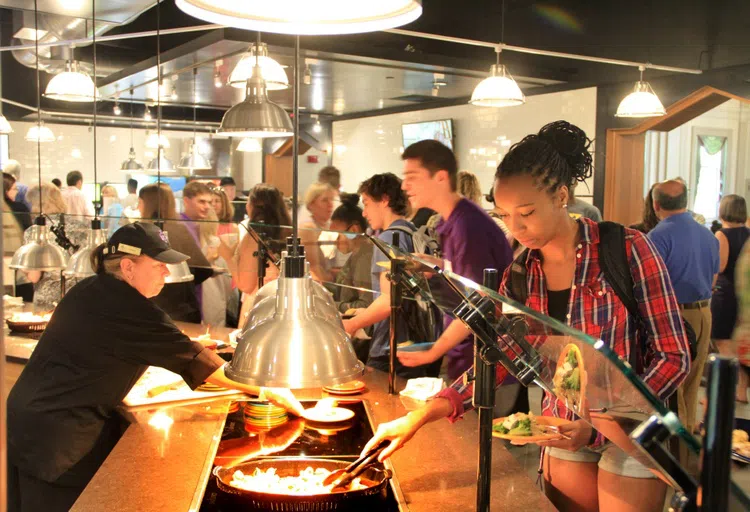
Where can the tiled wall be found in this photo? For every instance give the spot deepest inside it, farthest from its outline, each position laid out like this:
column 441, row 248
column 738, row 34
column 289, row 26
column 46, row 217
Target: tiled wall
column 367, row 146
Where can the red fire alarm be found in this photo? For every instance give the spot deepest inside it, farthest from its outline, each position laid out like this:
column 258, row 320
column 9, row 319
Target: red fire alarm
column 312, row 159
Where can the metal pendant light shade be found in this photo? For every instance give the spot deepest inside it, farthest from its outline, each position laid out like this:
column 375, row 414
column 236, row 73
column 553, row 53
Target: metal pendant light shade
column 72, row 85
column 304, row 17
column 40, row 133
column 297, row 347
column 194, row 161
column 5, row 127
column 39, row 254
column 273, row 73
column 131, row 164
column 161, row 164
column 79, row 264
column 497, row 90
column 256, row 115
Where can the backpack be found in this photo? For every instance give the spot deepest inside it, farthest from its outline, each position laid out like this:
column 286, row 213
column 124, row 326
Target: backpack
column 613, row 260
column 423, row 318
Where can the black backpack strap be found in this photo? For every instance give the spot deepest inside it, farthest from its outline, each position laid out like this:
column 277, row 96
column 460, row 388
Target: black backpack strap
column 518, row 284
column 613, row 260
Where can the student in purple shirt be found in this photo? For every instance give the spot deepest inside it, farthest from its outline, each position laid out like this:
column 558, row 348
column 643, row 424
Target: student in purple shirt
column 470, row 241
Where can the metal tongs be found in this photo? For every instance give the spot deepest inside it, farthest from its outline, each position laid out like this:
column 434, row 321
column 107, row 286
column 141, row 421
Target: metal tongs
column 343, row 477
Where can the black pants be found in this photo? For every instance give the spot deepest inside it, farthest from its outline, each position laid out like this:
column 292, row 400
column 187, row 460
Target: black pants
column 29, row 494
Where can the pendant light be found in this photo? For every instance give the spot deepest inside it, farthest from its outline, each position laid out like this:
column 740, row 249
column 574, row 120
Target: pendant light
column 157, row 140
column 194, row 161
column 256, row 115
column 131, row 164
column 270, row 70
column 72, row 85
column 39, row 254
column 299, row 346
column 161, row 164
column 305, row 17
column 249, row 145
column 642, row 102
column 40, row 133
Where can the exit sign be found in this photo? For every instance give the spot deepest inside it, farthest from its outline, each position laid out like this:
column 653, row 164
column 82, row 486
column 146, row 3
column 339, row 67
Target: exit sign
column 312, row 159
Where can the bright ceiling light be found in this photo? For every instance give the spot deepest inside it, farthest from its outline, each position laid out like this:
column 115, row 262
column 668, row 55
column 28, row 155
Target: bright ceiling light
column 29, row 34
column 147, row 114
column 40, row 133
column 155, row 140
column 642, row 102
column 272, row 72
column 317, row 128
column 72, row 85
column 305, row 17
column 497, row 90
column 217, row 80
column 249, row 145
column 256, row 115
column 116, row 110
column 5, row 127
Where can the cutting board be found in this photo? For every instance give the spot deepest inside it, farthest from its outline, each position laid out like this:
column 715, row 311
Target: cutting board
column 178, row 390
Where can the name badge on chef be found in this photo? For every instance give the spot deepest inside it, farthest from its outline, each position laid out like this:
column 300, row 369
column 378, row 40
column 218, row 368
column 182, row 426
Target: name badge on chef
column 129, row 249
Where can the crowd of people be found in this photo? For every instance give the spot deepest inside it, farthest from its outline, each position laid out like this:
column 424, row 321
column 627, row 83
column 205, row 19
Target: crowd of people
column 684, row 277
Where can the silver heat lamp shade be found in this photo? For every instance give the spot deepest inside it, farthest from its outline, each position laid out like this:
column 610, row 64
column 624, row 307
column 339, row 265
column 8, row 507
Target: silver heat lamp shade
column 194, row 161
column 131, row 164
column 39, row 253
column 79, row 264
column 296, row 347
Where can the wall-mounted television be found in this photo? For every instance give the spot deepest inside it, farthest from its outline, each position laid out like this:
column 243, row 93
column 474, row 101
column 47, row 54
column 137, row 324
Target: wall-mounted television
column 440, row 130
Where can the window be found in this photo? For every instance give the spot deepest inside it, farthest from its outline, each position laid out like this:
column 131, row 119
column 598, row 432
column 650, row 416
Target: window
column 710, row 175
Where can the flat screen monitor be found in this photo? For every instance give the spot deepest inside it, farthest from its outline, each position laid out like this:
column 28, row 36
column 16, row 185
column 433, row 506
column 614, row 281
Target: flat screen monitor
column 440, row 130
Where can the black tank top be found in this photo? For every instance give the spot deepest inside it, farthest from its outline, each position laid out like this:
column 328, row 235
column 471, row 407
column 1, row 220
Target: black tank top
column 557, row 304
column 737, row 238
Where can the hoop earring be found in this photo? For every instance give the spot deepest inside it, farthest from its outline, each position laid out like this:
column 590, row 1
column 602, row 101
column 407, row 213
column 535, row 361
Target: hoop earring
column 565, row 205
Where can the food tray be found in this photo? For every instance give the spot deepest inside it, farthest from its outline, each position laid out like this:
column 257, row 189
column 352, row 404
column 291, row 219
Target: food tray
column 26, row 327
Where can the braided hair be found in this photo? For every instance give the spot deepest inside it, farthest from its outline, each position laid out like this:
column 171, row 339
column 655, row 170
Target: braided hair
column 558, row 155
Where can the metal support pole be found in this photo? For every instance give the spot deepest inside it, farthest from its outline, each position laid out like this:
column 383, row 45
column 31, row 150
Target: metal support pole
column 397, row 268
column 484, row 400
column 717, row 442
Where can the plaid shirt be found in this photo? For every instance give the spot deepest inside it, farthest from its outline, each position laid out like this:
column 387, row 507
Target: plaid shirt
column 595, row 309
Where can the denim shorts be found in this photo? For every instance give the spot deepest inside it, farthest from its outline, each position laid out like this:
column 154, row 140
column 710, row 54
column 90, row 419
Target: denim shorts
column 609, row 457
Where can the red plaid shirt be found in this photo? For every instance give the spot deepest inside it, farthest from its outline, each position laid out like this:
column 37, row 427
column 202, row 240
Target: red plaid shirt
column 595, row 309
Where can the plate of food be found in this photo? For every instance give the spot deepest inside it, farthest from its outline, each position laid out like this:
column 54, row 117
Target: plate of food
column 326, row 411
column 570, row 377
column 520, row 428
column 28, row 322
column 740, row 446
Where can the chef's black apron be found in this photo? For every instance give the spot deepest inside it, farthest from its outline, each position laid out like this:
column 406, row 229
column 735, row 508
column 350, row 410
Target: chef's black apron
column 62, row 422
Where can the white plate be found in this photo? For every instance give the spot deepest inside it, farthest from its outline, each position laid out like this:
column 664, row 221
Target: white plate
column 328, row 415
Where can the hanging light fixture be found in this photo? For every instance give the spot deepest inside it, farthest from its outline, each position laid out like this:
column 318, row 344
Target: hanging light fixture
column 497, row 90
column 5, row 127
column 157, row 140
column 116, row 110
column 304, row 17
column 72, row 85
column 256, row 115
column 39, row 254
column 131, row 164
column 161, row 164
column 270, row 70
column 642, row 102
column 147, row 115
column 194, row 161
column 249, row 145
column 40, row 133
column 217, row 80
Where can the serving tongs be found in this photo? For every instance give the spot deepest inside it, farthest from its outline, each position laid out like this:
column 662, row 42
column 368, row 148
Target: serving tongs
column 341, row 478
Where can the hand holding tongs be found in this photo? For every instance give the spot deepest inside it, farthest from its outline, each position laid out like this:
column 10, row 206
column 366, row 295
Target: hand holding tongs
column 343, row 477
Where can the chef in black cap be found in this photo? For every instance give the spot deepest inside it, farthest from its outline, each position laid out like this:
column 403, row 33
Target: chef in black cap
column 102, row 336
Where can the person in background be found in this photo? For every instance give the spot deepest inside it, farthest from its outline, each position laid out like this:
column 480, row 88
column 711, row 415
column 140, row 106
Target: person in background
column 715, row 226
column 228, row 236
column 13, row 168
column 229, row 186
column 267, row 214
column 331, row 175
column 12, row 241
column 649, row 219
column 19, row 209
column 697, row 217
column 76, row 204
column 178, row 300
column 584, row 473
column 741, row 334
column 578, row 208
column 131, row 200
column 691, row 255
column 215, row 291
column 111, row 209
column 56, row 182
column 421, row 217
column 224, row 210
column 430, row 180
column 47, row 285
column 468, row 187
column 732, row 237
column 385, row 209
column 196, row 203
column 319, row 205
column 62, row 412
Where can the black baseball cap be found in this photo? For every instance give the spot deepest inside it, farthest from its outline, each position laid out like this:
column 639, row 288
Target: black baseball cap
column 143, row 238
column 227, row 180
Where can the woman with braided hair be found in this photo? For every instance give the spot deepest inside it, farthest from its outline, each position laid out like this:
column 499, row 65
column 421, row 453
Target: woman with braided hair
column 564, row 280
